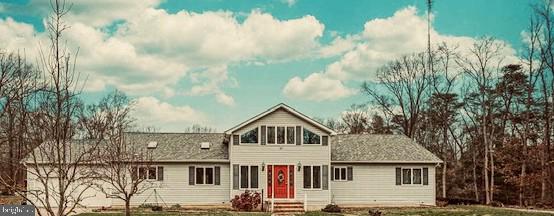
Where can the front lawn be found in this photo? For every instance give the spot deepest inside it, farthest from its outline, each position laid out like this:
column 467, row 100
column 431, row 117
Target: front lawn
column 424, row 211
column 436, row 211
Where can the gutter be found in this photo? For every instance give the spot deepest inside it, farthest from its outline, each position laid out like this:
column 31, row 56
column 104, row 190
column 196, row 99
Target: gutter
column 386, row 162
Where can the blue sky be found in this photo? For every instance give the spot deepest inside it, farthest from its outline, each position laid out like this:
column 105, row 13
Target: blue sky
column 217, row 62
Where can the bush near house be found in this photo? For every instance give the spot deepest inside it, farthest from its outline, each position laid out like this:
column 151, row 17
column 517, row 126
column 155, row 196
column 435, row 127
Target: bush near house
column 332, row 208
column 246, row 201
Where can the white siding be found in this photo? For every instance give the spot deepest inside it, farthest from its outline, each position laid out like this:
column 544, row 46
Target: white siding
column 375, row 184
column 175, row 188
column 271, row 154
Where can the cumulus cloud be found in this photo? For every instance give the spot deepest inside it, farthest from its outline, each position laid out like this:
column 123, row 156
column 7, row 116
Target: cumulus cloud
column 316, row 87
column 141, row 49
column 290, row 3
column 382, row 40
column 150, row 111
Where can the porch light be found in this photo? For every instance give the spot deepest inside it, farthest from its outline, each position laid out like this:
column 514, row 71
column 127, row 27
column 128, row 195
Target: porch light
column 263, row 166
column 299, row 166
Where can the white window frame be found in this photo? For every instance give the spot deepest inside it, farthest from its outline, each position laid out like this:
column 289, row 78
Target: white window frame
column 337, row 178
column 312, row 177
column 259, row 136
column 275, row 135
column 412, row 176
column 204, row 179
column 311, row 144
column 248, row 176
column 147, row 174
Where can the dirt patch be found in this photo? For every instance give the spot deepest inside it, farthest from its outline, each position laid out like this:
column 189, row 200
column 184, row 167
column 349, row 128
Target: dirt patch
column 10, row 200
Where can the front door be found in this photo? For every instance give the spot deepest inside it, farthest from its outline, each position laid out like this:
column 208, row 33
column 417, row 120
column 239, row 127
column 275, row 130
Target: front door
column 281, row 180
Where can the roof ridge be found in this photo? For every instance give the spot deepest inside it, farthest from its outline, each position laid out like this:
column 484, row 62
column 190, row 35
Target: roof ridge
column 139, row 132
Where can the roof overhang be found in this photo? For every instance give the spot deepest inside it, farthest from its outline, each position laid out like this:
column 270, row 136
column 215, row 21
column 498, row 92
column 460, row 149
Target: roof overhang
column 287, row 108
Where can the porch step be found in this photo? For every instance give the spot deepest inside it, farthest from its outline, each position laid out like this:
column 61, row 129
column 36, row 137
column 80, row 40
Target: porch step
column 288, row 207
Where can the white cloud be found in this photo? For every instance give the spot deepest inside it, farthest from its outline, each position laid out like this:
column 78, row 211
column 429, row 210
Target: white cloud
column 382, row 40
column 316, row 87
column 149, row 111
column 290, row 3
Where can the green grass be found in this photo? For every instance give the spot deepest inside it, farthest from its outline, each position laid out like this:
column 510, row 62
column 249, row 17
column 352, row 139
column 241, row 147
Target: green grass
column 434, row 211
column 430, row 211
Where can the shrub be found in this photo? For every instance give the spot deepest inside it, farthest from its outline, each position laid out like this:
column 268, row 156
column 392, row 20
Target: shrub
column 374, row 212
column 246, row 201
column 497, row 204
column 456, row 201
column 176, row 206
column 332, row 208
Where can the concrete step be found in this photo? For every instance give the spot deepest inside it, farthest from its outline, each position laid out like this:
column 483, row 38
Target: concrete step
column 287, row 210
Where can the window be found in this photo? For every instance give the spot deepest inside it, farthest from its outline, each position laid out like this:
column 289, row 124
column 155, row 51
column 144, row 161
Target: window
column 311, row 137
column 290, row 135
column 417, row 176
column 204, row 175
column 150, row 173
column 280, row 135
column 312, row 177
column 248, row 177
column 250, row 136
column 271, row 135
column 406, row 176
column 340, row 174
column 209, row 175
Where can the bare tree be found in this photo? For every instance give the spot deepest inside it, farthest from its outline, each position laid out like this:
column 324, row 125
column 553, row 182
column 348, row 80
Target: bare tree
column 400, row 91
column 196, row 128
column 121, row 167
column 356, row 119
column 481, row 67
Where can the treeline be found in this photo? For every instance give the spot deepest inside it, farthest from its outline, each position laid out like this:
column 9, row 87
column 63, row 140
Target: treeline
column 489, row 120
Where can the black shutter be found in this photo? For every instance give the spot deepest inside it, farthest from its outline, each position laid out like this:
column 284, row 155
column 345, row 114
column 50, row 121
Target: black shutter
column 398, row 176
column 332, row 173
column 349, row 173
column 263, row 135
column 425, row 176
column 307, row 177
column 235, row 139
column 160, row 173
column 134, row 173
column 325, row 180
column 325, row 140
column 217, row 175
column 191, row 175
column 298, row 135
column 235, row 176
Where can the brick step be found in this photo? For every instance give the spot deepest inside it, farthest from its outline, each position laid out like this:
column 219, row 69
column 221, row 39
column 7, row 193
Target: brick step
column 287, row 210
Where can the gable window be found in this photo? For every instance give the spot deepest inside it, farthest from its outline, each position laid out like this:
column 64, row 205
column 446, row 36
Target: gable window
column 250, row 136
column 204, row 175
column 290, row 135
column 248, row 177
column 311, row 137
column 280, row 135
column 270, row 135
column 312, row 177
column 340, row 174
column 412, row 176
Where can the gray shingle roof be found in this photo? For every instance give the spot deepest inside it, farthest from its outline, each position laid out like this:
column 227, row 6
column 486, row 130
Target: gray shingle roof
column 183, row 146
column 379, row 148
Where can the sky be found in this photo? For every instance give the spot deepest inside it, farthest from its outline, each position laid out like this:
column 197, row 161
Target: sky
column 220, row 62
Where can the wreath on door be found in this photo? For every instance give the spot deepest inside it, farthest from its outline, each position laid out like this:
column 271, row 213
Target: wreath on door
column 281, row 177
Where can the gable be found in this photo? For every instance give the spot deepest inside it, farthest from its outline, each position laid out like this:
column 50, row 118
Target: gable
column 281, row 115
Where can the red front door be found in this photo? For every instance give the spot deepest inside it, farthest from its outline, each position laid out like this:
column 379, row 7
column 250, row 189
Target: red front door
column 281, row 180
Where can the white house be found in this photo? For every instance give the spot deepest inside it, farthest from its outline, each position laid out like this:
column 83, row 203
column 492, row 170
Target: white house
column 289, row 157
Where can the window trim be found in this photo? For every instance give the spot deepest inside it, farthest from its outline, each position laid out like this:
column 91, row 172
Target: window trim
column 275, row 135
column 311, row 144
column 249, row 177
column 336, row 178
column 312, row 178
column 412, row 184
column 204, row 168
column 258, row 138
column 147, row 173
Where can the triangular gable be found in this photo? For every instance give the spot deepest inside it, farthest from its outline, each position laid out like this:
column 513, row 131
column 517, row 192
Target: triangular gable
column 288, row 109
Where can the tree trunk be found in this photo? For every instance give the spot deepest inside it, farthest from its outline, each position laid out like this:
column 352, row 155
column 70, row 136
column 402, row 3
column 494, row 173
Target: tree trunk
column 444, row 179
column 127, row 207
column 475, row 187
column 445, row 160
column 486, row 162
column 492, row 178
